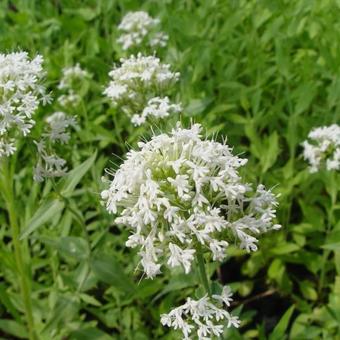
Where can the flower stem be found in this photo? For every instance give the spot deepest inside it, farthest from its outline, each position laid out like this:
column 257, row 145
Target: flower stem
column 7, row 191
column 202, row 271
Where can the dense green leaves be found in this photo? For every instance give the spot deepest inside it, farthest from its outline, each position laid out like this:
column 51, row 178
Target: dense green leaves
column 263, row 73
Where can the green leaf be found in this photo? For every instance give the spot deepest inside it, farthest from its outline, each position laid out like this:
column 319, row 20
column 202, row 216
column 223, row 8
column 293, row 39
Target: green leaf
column 67, row 185
column 107, row 269
column 10, row 327
column 197, row 106
column 75, row 247
column 147, row 288
column 89, row 334
column 308, row 290
column 271, row 151
column 65, row 309
column 285, row 249
column 337, row 261
column 332, row 246
column 281, row 328
column 6, row 301
column 305, row 95
column 177, row 282
column 46, row 212
column 90, row 300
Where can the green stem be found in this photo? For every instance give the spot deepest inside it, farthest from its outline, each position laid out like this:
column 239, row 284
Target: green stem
column 8, row 195
column 326, row 252
column 333, row 193
column 202, row 271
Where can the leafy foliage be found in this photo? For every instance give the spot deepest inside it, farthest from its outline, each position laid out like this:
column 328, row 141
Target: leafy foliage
column 263, row 73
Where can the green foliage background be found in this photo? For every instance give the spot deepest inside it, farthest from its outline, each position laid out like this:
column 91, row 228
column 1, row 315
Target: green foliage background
column 263, row 73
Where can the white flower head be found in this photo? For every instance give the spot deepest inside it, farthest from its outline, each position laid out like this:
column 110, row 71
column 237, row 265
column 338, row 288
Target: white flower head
column 323, row 148
column 70, row 75
column 49, row 164
column 202, row 319
column 139, row 28
column 58, row 123
column 159, row 39
column 180, row 192
column 21, row 92
column 69, row 99
column 136, row 86
column 180, row 257
column 157, row 108
column 70, row 83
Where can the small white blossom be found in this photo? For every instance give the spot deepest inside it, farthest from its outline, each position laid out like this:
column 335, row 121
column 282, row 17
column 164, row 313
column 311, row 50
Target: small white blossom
column 7, row 148
column 159, row 39
column 58, row 123
column 158, row 108
column 21, row 93
column 202, row 319
column 70, row 83
column 136, row 87
column 49, row 164
column 179, row 193
column 180, row 257
column 138, row 29
column 323, row 149
column 225, row 296
column 218, row 249
column 70, row 75
column 69, row 99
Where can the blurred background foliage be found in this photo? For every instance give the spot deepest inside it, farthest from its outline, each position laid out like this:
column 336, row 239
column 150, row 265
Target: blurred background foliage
column 261, row 72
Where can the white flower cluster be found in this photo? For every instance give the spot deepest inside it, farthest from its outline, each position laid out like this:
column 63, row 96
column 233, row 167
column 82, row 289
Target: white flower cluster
column 179, row 192
column 205, row 316
column 72, row 77
column 58, row 123
column 158, row 108
column 21, row 92
column 323, row 150
column 49, row 163
column 139, row 28
column 138, row 86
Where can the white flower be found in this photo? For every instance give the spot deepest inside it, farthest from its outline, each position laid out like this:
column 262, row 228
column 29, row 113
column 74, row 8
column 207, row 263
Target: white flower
column 7, row 148
column 218, row 249
column 225, row 296
column 323, row 149
column 178, row 193
column 205, row 317
column 136, row 85
column 180, row 256
column 149, row 257
column 58, row 123
column 158, row 108
column 69, row 99
column 70, row 83
column 70, row 75
column 21, row 93
column 181, row 183
column 49, row 164
column 139, row 28
column 159, row 39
